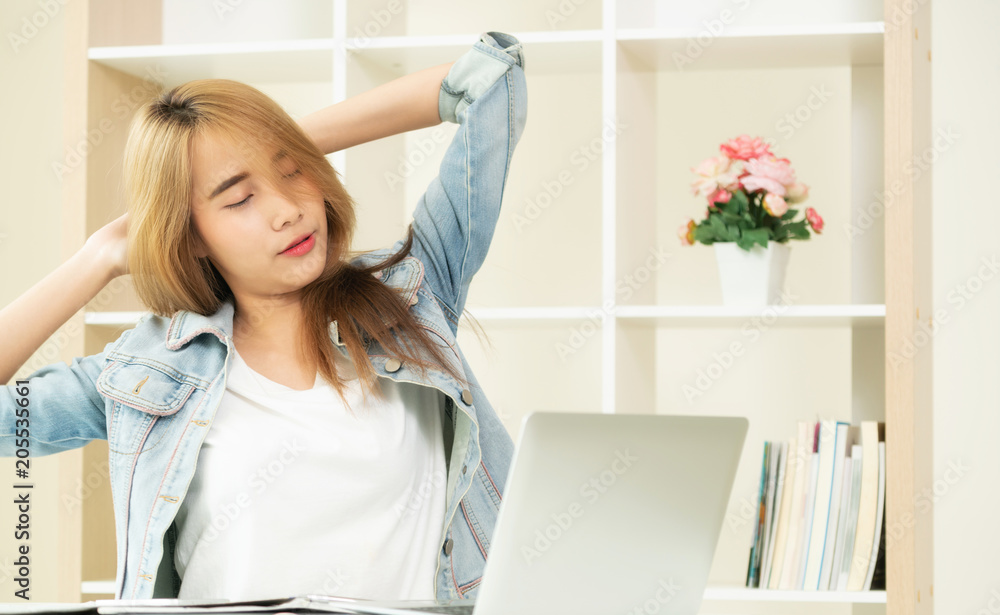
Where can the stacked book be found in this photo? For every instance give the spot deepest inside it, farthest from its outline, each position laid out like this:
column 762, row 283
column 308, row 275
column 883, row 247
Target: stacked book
column 821, row 510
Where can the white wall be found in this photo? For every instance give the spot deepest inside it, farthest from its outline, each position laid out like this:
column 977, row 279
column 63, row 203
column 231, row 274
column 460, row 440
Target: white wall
column 198, row 21
column 966, row 349
column 672, row 13
column 31, row 108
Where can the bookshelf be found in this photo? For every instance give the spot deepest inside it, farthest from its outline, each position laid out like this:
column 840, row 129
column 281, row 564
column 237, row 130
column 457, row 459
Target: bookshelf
column 625, row 96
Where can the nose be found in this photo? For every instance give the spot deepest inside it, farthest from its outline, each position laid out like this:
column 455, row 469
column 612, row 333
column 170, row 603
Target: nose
column 284, row 210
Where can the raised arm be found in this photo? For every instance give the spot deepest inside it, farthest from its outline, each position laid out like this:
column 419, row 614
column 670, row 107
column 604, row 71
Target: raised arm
column 486, row 94
column 403, row 104
column 33, row 317
column 64, row 409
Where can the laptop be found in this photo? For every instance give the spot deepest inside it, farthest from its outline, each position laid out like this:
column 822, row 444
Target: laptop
column 603, row 513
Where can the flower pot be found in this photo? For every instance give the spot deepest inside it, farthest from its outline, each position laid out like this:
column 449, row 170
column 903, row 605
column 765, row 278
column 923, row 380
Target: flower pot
column 753, row 278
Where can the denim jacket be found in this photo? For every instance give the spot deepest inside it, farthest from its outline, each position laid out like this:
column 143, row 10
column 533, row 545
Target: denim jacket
column 152, row 393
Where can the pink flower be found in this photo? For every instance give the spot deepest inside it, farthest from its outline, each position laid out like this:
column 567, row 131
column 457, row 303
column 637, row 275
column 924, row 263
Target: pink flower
column 686, row 233
column 769, row 174
column 796, row 193
column 716, row 173
column 719, row 196
column 775, row 205
column 815, row 221
column 745, row 148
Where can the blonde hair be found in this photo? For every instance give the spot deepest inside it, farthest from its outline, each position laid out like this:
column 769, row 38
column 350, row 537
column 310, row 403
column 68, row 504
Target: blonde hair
column 167, row 274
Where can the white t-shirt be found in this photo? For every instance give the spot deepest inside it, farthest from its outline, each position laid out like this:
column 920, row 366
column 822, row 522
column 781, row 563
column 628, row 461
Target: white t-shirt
column 293, row 495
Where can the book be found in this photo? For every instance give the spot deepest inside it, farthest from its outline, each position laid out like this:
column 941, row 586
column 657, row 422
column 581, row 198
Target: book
column 880, row 509
column 845, row 513
column 867, row 507
column 857, row 453
column 784, row 512
column 807, row 517
column 803, row 455
column 762, row 510
column 878, row 578
column 772, row 514
column 759, row 522
column 766, row 511
column 819, row 515
column 843, row 445
column 830, row 441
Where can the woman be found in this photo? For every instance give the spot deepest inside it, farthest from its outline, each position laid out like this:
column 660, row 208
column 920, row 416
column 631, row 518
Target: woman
column 287, row 420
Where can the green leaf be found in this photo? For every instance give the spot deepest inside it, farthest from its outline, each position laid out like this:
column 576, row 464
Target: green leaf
column 797, row 230
column 791, row 213
column 758, row 236
column 738, row 203
column 729, row 207
column 729, row 218
column 705, row 234
column 719, row 227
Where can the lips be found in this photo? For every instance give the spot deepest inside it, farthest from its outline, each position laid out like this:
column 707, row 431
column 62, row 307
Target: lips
column 297, row 241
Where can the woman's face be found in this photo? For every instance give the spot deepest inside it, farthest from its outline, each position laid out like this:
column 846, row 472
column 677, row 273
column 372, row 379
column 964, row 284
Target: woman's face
column 245, row 223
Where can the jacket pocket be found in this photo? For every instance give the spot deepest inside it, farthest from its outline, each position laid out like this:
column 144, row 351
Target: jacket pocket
column 145, row 387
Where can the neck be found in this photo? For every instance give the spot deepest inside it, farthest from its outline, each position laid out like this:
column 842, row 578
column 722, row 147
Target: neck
column 270, row 321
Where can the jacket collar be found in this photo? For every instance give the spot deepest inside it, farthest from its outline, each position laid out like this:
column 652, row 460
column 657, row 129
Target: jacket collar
column 185, row 325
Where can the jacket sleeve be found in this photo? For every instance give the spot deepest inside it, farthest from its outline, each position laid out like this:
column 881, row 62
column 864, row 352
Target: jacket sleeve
column 453, row 223
column 57, row 408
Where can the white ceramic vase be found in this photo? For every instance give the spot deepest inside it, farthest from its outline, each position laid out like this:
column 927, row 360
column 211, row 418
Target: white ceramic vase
column 753, row 278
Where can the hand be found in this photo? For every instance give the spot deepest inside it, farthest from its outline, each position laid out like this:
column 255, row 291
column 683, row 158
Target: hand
column 110, row 245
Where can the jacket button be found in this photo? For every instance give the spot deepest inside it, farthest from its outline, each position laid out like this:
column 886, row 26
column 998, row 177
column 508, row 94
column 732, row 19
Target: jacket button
column 448, row 544
column 464, row 469
column 392, row 365
column 467, row 397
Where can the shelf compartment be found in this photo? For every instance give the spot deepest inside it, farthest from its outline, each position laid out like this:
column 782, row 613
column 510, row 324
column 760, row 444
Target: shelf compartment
column 711, row 14
column 552, row 366
column 545, row 53
column 750, row 47
column 782, row 315
column 803, row 117
column 307, row 60
column 432, row 17
column 125, row 22
column 311, row 60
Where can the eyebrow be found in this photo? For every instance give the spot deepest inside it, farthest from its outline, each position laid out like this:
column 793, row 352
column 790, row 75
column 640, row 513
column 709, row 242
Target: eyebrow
column 235, row 179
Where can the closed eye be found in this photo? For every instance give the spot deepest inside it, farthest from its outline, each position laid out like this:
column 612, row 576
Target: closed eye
column 240, row 204
column 244, row 201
